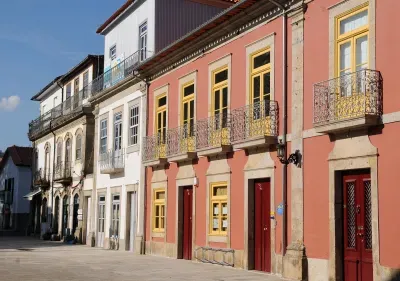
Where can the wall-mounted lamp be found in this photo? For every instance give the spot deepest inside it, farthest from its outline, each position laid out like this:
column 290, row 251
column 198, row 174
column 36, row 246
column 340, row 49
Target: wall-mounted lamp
column 294, row 158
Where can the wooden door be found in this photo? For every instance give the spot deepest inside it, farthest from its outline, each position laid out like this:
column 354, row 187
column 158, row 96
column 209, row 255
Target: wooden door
column 262, row 243
column 187, row 222
column 357, row 228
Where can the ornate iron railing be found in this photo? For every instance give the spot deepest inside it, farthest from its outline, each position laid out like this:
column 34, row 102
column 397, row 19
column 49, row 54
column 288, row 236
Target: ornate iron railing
column 349, row 96
column 212, row 132
column 42, row 177
column 112, row 159
column 181, row 140
column 63, row 170
column 254, row 121
column 154, row 147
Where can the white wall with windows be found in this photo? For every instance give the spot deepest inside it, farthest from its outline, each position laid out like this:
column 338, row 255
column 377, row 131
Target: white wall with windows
column 77, row 83
column 120, row 129
column 134, row 31
column 51, row 99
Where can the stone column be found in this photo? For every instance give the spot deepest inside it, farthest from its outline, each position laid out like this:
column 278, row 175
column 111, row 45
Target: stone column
column 295, row 260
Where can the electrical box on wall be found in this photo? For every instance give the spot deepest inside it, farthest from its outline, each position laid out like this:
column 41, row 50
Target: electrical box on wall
column 195, row 181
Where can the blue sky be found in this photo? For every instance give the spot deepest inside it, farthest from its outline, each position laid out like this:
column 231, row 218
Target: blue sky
column 39, row 40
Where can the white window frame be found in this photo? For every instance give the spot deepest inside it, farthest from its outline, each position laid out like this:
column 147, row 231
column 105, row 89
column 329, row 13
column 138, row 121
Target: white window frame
column 103, row 136
column 117, row 143
column 134, row 120
column 143, row 47
column 113, row 52
column 78, row 147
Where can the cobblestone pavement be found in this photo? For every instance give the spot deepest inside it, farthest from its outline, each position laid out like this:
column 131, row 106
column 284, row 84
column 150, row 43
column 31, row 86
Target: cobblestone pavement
column 31, row 259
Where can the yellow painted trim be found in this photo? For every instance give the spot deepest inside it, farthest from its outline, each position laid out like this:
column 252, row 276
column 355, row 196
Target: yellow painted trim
column 160, row 109
column 219, row 86
column 260, row 71
column 158, row 202
column 220, row 200
column 187, row 99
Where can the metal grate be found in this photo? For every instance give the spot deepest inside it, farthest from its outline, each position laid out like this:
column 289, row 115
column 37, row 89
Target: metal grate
column 368, row 215
column 351, row 215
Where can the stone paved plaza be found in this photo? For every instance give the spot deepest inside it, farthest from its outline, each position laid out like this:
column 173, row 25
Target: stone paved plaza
column 32, row 259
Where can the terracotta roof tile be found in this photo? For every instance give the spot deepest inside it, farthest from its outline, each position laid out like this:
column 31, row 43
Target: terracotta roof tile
column 21, row 156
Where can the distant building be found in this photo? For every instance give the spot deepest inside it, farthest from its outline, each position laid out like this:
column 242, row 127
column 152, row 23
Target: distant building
column 15, row 182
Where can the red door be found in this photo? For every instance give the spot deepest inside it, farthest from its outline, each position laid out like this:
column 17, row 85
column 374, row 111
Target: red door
column 357, row 228
column 262, row 242
column 187, row 222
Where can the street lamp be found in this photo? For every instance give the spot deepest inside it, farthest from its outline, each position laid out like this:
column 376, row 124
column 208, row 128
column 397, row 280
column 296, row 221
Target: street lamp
column 294, row 158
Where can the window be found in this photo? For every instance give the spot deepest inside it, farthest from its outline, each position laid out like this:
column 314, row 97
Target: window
column 59, row 152
column 9, row 191
column 76, row 86
column 134, row 125
column 68, row 91
column 115, row 216
column 46, row 161
column 188, row 109
column 85, row 79
column 103, row 136
column 55, row 102
column 43, row 109
column 113, row 52
column 260, row 82
column 219, row 209
column 161, row 118
column 67, row 151
column 143, row 41
column 117, row 131
column 352, row 44
column 159, row 210
column 220, row 97
column 78, row 152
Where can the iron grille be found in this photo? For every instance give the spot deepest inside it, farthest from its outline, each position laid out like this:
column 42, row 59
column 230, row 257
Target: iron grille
column 63, row 170
column 212, row 132
column 154, row 148
column 42, row 177
column 368, row 215
column 112, row 159
column 349, row 96
column 180, row 140
column 254, row 121
column 351, row 215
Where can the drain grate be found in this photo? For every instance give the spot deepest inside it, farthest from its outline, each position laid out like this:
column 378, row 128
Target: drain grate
column 25, row 250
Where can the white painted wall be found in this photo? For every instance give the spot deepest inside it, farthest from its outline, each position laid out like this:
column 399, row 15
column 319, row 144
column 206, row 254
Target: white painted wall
column 125, row 35
column 48, row 103
column 80, row 75
column 22, row 183
column 132, row 159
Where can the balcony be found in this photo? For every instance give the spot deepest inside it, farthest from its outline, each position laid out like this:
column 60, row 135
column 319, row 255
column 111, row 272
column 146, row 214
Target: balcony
column 351, row 101
column 181, row 144
column 154, row 150
column 42, row 178
column 213, row 135
column 254, row 125
column 63, row 173
column 112, row 162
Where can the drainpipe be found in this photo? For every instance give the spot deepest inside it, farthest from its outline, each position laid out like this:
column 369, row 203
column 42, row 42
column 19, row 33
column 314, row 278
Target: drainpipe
column 284, row 125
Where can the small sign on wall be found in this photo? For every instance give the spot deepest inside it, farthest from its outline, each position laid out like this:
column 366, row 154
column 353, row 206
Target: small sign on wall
column 279, row 209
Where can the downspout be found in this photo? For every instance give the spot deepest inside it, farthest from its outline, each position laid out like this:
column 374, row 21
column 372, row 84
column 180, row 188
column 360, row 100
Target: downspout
column 284, row 125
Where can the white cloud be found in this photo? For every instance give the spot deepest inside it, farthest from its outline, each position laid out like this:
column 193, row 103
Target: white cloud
column 10, row 103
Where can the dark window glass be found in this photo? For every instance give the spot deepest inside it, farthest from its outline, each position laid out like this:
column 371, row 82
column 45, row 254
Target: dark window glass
column 162, row 101
column 185, row 112
column 191, row 109
column 256, row 88
column 216, row 100
column 224, row 97
column 187, row 91
column 159, row 120
column 267, row 85
column 221, row 76
column 261, row 60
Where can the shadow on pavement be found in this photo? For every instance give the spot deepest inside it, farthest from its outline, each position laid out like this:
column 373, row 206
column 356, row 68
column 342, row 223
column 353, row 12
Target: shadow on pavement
column 27, row 244
column 396, row 276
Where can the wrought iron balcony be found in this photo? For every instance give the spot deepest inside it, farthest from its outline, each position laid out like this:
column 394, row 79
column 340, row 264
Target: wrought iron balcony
column 63, row 172
column 42, row 178
column 154, row 150
column 112, row 162
column 213, row 135
column 350, row 101
column 181, row 143
column 255, row 125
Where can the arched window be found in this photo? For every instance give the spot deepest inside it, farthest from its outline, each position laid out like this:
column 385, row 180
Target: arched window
column 67, row 151
column 56, row 214
column 78, row 152
column 46, row 161
column 59, row 151
column 65, row 215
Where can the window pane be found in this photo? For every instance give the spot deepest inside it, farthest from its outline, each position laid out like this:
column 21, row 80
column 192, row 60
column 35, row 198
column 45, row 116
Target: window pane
column 160, row 195
column 224, row 224
column 191, row 109
column 188, row 90
column 256, row 88
column 221, row 76
column 215, row 209
column 220, row 191
column 159, row 120
column 225, row 97
column 216, row 100
column 157, row 210
column 162, row 101
column 267, row 85
column 157, row 224
column 362, row 50
column 345, row 56
column 164, row 119
column 185, row 111
column 215, row 224
column 354, row 22
column 261, row 60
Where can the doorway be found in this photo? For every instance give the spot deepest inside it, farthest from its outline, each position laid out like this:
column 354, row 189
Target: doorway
column 185, row 222
column 64, row 225
column 357, row 226
column 56, row 214
column 101, row 222
column 133, row 219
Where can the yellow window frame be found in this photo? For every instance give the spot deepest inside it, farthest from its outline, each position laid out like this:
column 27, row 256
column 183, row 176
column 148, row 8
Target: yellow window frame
column 160, row 110
column 351, row 36
column 220, row 201
column 259, row 71
column 186, row 100
column 219, row 86
column 159, row 203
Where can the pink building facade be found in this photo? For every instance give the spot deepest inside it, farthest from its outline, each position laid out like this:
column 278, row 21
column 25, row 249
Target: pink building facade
column 287, row 170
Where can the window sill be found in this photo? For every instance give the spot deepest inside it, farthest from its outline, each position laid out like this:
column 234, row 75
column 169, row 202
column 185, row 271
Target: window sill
column 218, row 238
column 158, row 234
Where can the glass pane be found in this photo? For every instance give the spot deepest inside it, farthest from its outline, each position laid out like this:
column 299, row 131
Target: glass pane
column 160, row 195
column 362, row 50
column 159, row 120
column 354, row 22
column 224, row 208
column 162, row 101
column 157, row 210
column 267, row 81
column 221, row 76
column 345, row 56
column 188, row 90
column 215, row 209
column 256, row 88
column 215, row 224
column 157, row 223
column 220, row 191
column 191, row 116
column 225, row 97
column 162, row 210
column 216, row 100
column 224, row 224
column 162, row 223
column 261, row 60
column 164, row 119
column 185, row 111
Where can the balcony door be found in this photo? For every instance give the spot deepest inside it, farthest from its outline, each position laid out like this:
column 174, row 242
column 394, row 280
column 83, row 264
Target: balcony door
column 117, row 153
column 187, row 142
column 101, row 214
column 220, row 134
column 161, row 124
